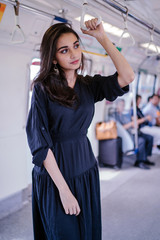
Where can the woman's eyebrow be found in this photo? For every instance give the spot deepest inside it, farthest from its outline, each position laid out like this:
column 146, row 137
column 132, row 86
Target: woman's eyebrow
column 67, row 46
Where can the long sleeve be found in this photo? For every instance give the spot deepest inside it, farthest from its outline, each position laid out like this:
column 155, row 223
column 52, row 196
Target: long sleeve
column 38, row 135
column 107, row 87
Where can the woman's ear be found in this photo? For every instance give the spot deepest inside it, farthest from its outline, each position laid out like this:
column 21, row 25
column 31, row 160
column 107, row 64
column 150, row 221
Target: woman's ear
column 54, row 62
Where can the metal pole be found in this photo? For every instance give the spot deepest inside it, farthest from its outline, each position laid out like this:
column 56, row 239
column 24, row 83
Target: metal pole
column 122, row 9
column 154, row 85
column 135, row 118
column 112, row 3
column 37, row 11
column 138, row 79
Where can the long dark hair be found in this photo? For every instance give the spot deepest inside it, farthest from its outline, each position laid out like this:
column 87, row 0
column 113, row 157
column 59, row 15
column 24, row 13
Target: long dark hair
column 54, row 84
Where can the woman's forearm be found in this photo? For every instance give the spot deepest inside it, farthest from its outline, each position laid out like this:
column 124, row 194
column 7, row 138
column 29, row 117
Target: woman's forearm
column 125, row 72
column 52, row 168
column 69, row 202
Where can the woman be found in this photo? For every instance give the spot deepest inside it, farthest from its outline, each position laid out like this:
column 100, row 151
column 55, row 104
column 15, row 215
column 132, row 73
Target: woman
column 66, row 195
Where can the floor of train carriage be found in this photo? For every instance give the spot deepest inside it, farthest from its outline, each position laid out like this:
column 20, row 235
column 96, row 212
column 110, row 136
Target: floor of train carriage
column 130, row 206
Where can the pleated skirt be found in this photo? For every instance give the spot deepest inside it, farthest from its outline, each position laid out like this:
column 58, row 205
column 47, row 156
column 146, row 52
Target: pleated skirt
column 49, row 219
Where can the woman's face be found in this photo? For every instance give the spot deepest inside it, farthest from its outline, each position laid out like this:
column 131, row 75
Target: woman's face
column 68, row 53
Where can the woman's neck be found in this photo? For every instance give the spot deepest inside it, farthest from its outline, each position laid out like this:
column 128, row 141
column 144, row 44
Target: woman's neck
column 71, row 78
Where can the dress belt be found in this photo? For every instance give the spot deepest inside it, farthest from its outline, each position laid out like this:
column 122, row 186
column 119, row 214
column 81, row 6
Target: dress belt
column 60, row 137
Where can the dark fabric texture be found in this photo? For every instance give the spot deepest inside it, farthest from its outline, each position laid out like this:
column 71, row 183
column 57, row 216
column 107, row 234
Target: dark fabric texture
column 63, row 130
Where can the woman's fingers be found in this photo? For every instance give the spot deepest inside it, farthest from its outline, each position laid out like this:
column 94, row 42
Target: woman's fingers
column 93, row 29
column 66, row 210
column 94, row 23
column 73, row 210
column 69, row 202
column 91, row 24
column 78, row 210
column 87, row 24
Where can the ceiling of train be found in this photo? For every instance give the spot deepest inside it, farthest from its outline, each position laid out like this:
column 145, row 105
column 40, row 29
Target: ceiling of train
column 144, row 10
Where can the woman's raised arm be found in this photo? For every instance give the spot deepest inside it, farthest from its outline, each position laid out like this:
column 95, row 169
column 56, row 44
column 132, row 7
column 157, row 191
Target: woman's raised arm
column 125, row 72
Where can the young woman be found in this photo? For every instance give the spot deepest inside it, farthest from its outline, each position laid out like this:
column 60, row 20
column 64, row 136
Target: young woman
column 66, row 194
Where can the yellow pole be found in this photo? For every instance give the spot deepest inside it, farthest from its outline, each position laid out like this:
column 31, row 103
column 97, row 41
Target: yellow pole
column 98, row 54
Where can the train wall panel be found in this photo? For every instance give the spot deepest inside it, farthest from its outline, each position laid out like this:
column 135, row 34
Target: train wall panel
column 14, row 160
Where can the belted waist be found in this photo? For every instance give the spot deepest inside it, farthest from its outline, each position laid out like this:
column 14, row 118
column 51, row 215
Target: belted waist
column 60, row 137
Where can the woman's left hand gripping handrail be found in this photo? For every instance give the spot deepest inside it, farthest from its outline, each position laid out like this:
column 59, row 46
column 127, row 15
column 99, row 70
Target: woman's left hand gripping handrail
column 17, row 29
column 86, row 9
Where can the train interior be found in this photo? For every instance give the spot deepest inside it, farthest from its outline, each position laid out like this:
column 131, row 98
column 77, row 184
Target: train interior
column 130, row 196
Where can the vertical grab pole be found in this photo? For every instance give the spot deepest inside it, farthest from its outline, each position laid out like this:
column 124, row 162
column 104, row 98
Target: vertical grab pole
column 135, row 117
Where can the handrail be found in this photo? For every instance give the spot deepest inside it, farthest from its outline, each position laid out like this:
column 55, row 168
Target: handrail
column 151, row 44
column 122, row 9
column 17, row 28
column 87, row 9
column 37, row 11
column 112, row 3
column 125, row 31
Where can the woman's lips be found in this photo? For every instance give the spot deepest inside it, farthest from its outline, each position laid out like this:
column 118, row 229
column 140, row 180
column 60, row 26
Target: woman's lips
column 75, row 62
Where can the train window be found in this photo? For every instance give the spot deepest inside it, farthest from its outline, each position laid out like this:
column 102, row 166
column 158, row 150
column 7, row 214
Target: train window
column 157, row 85
column 34, row 69
column 146, row 86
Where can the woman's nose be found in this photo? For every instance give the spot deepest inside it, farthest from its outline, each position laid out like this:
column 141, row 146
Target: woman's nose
column 72, row 53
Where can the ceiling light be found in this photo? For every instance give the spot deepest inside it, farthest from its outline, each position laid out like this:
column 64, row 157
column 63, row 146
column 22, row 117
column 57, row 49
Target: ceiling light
column 151, row 47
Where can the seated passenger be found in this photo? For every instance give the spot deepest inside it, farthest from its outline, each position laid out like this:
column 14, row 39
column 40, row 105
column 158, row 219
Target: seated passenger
column 151, row 109
column 145, row 141
column 145, row 126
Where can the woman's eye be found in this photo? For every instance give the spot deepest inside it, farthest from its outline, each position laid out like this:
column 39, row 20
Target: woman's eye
column 76, row 46
column 64, row 51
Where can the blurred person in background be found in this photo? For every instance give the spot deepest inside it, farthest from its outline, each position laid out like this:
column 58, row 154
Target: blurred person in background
column 145, row 126
column 145, row 141
column 151, row 109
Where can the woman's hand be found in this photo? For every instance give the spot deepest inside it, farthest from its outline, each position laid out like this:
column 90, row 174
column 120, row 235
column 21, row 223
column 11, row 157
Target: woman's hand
column 69, row 202
column 94, row 31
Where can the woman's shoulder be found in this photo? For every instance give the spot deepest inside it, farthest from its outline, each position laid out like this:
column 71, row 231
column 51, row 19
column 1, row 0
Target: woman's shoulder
column 38, row 87
column 39, row 93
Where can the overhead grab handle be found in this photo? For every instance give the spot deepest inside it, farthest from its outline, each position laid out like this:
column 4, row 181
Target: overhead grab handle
column 126, row 34
column 86, row 9
column 17, row 32
column 151, row 49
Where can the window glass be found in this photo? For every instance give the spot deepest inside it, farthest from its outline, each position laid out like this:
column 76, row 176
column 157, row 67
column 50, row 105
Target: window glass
column 34, row 69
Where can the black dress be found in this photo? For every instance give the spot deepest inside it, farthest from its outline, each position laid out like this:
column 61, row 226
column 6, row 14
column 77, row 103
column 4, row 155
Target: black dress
column 63, row 130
